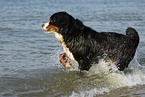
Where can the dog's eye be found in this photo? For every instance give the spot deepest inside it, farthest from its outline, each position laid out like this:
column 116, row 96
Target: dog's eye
column 52, row 21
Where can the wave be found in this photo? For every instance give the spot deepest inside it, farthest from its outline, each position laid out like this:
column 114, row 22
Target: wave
column 105, row 77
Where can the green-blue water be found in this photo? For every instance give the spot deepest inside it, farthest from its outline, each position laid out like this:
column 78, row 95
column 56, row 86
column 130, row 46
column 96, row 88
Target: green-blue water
column 29, row 65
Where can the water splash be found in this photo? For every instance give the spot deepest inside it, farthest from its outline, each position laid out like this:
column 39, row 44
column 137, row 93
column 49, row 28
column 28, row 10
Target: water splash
column 107, row 78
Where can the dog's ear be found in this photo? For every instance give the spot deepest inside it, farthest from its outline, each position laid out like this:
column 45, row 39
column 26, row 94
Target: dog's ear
column 79, row 24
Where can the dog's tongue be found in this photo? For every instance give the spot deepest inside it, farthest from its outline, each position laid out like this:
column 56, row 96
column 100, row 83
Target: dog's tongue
column 52, row 29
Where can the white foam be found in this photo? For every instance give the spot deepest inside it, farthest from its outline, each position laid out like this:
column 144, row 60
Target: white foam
column 102, row 68
column 89, row 93
column 111, row 77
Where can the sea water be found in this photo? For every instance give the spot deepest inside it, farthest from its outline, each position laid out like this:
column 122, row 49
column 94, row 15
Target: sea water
column 29, row 64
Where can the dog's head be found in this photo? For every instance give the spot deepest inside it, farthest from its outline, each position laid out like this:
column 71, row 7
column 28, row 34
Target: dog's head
column 61, row 23
column 58, row 22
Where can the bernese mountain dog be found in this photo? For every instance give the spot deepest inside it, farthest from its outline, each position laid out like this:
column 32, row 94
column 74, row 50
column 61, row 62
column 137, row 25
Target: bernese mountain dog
column 86, row 46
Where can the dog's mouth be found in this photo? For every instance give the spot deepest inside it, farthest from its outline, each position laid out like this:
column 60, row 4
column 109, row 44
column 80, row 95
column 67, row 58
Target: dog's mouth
column 52, row 28
column 49, row 28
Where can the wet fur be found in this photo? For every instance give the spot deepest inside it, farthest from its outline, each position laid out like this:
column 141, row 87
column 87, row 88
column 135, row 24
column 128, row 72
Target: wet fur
column 87, row 46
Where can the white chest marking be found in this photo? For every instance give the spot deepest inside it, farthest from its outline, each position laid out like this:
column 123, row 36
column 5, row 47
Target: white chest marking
column 66, row 50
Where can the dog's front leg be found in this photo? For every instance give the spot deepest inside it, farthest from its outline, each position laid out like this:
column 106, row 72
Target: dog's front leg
column 64, row 60
column 84, row 64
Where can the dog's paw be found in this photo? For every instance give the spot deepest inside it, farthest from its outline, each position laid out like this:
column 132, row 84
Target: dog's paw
column 64, row 60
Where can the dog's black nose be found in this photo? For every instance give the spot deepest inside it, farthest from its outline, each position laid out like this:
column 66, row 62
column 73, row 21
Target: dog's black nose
column 43, row 25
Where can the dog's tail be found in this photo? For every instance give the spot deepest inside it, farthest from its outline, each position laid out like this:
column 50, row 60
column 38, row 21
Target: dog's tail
column 133, row 35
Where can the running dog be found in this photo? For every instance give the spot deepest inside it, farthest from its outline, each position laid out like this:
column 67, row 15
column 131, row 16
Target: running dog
column 87, row 46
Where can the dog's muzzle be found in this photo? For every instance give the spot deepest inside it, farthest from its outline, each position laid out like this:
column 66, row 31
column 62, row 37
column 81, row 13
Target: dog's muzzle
column 49, row 28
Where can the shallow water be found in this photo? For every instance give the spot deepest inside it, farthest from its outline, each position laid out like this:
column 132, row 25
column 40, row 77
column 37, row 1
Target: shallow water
column 29, row 65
